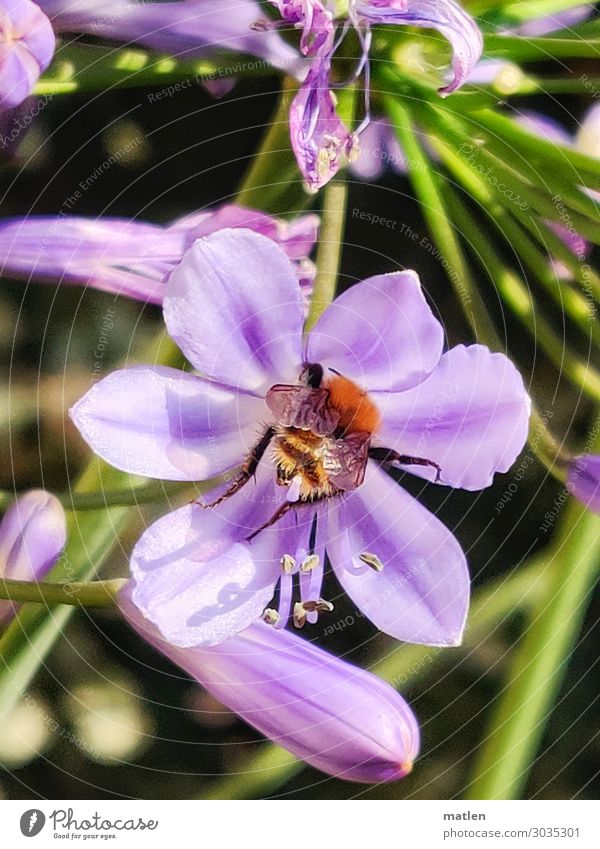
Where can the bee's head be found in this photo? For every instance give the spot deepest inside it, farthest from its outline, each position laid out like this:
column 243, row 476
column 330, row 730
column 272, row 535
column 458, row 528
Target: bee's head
column 312, row 375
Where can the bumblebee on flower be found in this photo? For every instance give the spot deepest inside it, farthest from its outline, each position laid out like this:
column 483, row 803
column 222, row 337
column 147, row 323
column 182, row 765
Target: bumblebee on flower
column 310, row 421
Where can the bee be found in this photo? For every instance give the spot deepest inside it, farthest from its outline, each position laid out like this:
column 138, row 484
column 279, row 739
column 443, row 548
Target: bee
column 321, row 440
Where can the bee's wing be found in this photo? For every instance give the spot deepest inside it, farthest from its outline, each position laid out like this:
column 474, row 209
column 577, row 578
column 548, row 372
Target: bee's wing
column 348, row 460
column 302, row 407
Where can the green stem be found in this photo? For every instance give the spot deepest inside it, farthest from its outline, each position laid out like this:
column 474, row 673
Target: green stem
column 574, row 303
column 515, row 293
column 539, row 663
column 436, row 216
column 150, row 493
column 85, row 593
column 541, row 49
column 558, row 85
column 273, row 182
column 333, row 219
column 78, row 68
column 544, row 154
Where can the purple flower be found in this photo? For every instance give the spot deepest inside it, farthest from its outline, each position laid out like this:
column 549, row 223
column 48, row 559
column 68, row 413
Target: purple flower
column 336, row 717
column 32, row 536
column 313, row 421
column 132, row 258
column 446, row 16
column 583, row 480
column 26, row 49
column 320, row 140
column 560, row 20
column 315, row 21
column 182, row 29
column 379, row 147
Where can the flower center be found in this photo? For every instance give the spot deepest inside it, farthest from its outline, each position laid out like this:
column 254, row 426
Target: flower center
column 322, row 435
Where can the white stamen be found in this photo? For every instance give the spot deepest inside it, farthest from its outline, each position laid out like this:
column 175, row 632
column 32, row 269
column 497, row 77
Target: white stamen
column 288, row 564
column 309, row 563
column 270, row 616
column 301, row 608
column 299, row 616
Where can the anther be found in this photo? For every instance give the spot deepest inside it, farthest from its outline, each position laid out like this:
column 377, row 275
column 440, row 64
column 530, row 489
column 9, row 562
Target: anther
column 309, row 563
column 288, row 564
column 270, row 616
column 319, row 604
column 371, row 560
column 301, row 608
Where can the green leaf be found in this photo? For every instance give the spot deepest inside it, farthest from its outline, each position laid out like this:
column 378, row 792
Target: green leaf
column 540, row 662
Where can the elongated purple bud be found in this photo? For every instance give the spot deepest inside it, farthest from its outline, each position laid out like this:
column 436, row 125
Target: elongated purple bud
column 133, row 258
column 336, row 717
column 32, row 535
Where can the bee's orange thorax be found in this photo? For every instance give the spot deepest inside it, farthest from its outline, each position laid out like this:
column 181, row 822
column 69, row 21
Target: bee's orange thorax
column 358, row 414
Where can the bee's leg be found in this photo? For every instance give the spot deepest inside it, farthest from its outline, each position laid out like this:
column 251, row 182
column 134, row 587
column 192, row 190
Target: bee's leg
column 248, row 469
column 388, row 457
column 281, row 511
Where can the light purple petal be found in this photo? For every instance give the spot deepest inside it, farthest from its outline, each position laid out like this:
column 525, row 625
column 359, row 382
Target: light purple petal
column 380, row 333
column 336, row 717
column 422, row 593
column 470, row 416
column 32, row 535
column 197, row 593
column 446, row 16
column 544, row 126
column 164, row 423
column 117, row 255
column 197, row 575
column 234, row 307
column 379, row 148
column 583, row 480
column 488, row 71
column 297, row 237
column 315, row 21
column 320, row 140
column 220, row 87
column 183, row 29
column 26, row 49
column 560, row 20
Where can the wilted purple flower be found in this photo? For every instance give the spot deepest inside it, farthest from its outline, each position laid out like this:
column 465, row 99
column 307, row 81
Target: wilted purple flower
column 336, row 717
column 320, row 139
column 314, row 19
column 312, row 421
column 26, row 49
column 446, row 16
column 583, row 480
column 32, row 536
column 132, row 258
